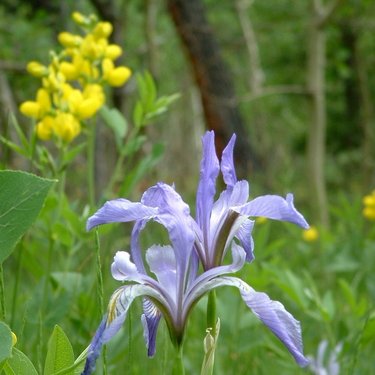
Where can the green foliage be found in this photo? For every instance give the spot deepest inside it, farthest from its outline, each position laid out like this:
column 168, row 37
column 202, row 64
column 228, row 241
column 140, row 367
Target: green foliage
column 149, row 106
column 19, row 364
column 21, row 198
column 6, row 343
column 60, row 353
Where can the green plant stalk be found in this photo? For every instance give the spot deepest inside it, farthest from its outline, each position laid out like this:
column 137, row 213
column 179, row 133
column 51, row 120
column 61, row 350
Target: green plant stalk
column 178, row 366
column 2, row 295
column 16, row 285
column 211, row 312
column 91, row 163
column 99, row 278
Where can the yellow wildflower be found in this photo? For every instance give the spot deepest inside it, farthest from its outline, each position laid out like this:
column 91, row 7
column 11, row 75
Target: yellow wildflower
column 369, row 206
column 115, row 76
column 69, row 40
column 311, row 234
column 69, row 70
column 44, row 128
column 79, row 18
column 14, row 339
column 102, row 30
column 66, row 126
column 113, row 51
column 36, row 69
column 30, row 109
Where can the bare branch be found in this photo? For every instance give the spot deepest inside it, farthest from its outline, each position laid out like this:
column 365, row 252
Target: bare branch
column 277, row 90
column 256, row 75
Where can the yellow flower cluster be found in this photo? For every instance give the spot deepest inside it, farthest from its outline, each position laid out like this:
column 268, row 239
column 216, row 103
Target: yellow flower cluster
column 311, row 234
column 72, row 84
column 369, row 206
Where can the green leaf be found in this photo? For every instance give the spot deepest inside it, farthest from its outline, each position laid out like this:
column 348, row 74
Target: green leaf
column 138, row 114
column 6, row 342
column 116, row 121
column 21, row 199
column 60, row 353
column 19, row 364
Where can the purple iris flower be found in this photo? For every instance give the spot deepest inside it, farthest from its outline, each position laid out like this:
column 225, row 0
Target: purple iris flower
column 171, row 285
column 227, row 218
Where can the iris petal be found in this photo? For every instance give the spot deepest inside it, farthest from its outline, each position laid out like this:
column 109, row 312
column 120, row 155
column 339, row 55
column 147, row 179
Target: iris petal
column 274, row 207
column 227, row 165
column 120, row 210
column 207, row 181
column 150, row 321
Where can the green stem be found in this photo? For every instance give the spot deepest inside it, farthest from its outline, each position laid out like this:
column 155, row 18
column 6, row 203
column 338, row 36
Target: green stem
column 211, row 312
column 2, row 295
column 178, row 367
column 16, row 284
column 99, row 278
column 91, row 163
column 99, row 274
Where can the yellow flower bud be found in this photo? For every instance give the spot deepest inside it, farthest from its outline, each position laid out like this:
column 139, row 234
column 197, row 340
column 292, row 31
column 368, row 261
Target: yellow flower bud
column 66, row 126
column 79, row 18
column 113, row 51
column 69, row 71
column 69, row 40
column 43, row 99
column 311, row 234
column 102, row 30
column 369, row 200
column 118, row 76
column 36, row 69
column 30, row 109
column 44, row 128
column 88, row 108
column 94, row 91
column 14, row 339
column 369, row 213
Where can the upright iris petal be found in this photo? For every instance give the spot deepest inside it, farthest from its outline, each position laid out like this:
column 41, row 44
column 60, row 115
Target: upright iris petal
column 221, row 225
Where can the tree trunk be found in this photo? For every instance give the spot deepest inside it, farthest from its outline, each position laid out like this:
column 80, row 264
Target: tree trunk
column 211, row 75
column 317, row 130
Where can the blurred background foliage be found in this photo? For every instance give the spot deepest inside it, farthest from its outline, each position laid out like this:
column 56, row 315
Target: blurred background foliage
column 266, row 50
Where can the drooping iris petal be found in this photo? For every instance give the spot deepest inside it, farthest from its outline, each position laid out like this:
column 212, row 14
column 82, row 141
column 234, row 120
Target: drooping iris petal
column 227, row 165
column 274, row 207
column 120, row 210
column 118, row 308
column 95, row 348
column 271, row 313
column 245, row 238
column 207, row 181
column 150, row 321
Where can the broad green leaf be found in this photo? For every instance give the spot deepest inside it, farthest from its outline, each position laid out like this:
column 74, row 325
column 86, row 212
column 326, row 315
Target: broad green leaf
column 19, row 364
column 21, row 199
column 5, row 342
column 116, row 121
column 60, row 353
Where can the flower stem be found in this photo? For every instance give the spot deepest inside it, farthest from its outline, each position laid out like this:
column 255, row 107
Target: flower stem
column 178, row 366
column 2, row 295
column 91, row 163
column 99, row 278
column 211, row 312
